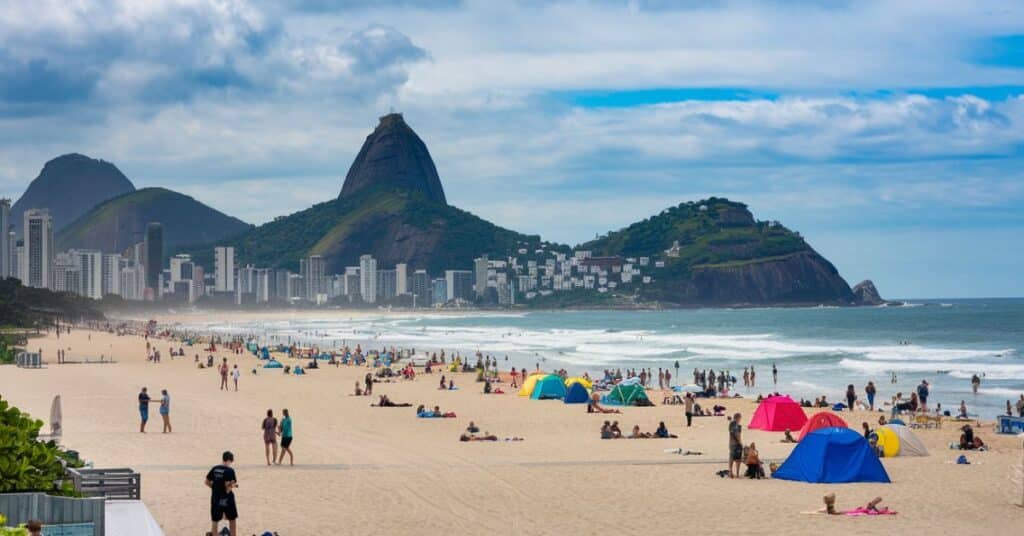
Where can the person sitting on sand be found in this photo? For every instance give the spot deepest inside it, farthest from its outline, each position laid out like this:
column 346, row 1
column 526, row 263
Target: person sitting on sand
column 487, row 387
column 595, row 407
column 637, row 434
column 444, row 383
column 963, row 411
column 753, row 460
column 788, row 437
column 422, row 412
column 472, row 428
column 662, row 432
column 968, row 441
column 359, row 390
column 616, row 432
column 451, row 385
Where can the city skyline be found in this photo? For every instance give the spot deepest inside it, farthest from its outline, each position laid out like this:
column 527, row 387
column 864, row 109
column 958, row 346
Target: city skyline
column 898, row 139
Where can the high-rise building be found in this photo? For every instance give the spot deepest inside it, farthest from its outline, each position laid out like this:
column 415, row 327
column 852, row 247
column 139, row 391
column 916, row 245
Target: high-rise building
column 90, row 266
column 37, row 256
column 181, row 268
column 111, row 274
column 281, row 278
column 459, row 284
column 480, row 266
column 67, row 273
column 5, row 246
column 224, row 268
column 12, row 255
column 19, row 253
column 352, row 282
column 368, row 278
column 315, row 275
column 401, row 278
column 386, row 284
column 133, row 282
column 422, row 290
column 439, row 292
column 198, row 282
column 154, row 262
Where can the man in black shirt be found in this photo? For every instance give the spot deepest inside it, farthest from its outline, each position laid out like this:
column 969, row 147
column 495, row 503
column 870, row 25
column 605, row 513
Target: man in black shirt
column 221, row 480
column 143, row 410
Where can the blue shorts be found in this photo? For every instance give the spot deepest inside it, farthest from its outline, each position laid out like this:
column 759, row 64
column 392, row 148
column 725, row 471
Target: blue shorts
column 144, row 413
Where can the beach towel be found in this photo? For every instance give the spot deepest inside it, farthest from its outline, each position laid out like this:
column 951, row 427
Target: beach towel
column 862, row 511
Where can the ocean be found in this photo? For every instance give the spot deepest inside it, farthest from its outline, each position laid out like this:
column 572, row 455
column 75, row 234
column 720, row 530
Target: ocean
column 818, row 351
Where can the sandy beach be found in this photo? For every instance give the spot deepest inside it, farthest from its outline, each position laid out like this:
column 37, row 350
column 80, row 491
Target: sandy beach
column 365, row 470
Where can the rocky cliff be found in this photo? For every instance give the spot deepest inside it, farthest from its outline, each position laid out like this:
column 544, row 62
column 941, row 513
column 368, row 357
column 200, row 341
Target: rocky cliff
column 70, row 185
column 798, row 278
column 865, row 293
column 394, row 157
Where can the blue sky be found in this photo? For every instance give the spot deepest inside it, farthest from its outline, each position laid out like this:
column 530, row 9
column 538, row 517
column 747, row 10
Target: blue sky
column 890, row 134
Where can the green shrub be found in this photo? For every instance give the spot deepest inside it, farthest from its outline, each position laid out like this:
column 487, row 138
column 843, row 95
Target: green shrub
column 27, row 464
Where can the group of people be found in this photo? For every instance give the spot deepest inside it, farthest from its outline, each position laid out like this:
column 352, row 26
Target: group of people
column 272, row 429
column 165, row 409
column 610, row 430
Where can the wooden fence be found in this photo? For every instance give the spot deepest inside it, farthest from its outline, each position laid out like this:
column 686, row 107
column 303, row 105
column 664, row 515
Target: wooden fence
column 119, row 483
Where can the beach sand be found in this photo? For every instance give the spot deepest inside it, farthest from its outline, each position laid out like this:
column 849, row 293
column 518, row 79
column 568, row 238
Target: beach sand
column 382, row 471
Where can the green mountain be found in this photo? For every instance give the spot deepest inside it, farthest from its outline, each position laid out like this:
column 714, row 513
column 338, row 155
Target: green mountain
column 393, row 225
column 715, row 252
column 121, row 222
column 70, row 185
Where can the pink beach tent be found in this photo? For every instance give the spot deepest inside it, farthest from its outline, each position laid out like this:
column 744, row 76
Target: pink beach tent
column 822, row 419
column 778, row 414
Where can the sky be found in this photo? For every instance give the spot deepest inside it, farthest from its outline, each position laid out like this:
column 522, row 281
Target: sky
column 890, row 134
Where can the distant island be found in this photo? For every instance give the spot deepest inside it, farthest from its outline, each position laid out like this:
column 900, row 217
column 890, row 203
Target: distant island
column 391, row 239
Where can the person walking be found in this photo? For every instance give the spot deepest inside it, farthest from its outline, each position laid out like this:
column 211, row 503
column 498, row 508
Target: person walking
column 851, row 396
column 269, row 428
column 688, row 405
column 922, row 394
column 735, row 445
column 869, row 390
column 143, row 409
column 235, row 375
column 224, row 375
column 285, row 429
column 222, row 482
column 165, row 410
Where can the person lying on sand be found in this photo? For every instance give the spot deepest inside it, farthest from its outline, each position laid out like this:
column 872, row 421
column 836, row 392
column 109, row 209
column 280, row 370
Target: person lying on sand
column 485, row 437
column 595, row 407
column 637, row 434
column 385, row 402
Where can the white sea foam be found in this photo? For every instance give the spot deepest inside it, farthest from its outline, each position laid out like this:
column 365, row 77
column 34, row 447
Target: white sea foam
column 957, row 370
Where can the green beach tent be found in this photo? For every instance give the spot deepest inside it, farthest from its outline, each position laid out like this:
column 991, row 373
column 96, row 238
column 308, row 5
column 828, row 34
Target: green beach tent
column 626, row 395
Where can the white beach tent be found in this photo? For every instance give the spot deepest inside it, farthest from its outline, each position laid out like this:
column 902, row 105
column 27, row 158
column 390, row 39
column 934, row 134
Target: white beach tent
column 910, row 445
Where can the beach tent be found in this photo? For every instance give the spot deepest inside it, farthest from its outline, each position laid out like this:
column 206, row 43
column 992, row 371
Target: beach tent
column 577, row 394
column 832, row 455
column 822, row 419
column 579, row 379
column 625, row 395
column 910, row 444
column 529, row 383
column 273, row 363
column 548, row 387
column 777, row 414
column 897, row 421
column 888, row 441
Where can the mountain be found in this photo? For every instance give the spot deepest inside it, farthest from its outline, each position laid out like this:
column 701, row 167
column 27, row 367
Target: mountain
column 121, row 222
column 393, row 225
column 394, row 157
column 716, row 253
column 866, row 293
column 71, row 185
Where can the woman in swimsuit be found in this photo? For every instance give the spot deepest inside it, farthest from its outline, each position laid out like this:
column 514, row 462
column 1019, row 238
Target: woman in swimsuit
column 269, row 428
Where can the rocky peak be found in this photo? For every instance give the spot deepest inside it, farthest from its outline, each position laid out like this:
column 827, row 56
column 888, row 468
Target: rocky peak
column 393, row 156
column 865, row 293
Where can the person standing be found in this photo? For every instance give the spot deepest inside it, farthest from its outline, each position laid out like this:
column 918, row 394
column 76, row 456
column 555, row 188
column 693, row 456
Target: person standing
column 735, row 445
column 1020, row 406
column 269, row 428
column 224, row 375
column 851, row 396
column 922, row 394
column 975, row 383
column 143, row 409
column 668, row 379
column 222, row 481
column 165, row 410
column 753, row 377
column 688, row 405
column 286, row 438
column 869, row 390
column 775, row 375
column 235, row 375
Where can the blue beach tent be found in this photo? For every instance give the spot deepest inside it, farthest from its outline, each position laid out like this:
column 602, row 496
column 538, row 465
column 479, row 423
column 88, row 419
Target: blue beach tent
column 832, row 455
column 577, row 394
column 273, row 364
column 548, row 387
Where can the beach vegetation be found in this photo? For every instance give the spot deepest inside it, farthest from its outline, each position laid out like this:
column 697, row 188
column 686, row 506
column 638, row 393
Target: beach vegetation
column 28, row 464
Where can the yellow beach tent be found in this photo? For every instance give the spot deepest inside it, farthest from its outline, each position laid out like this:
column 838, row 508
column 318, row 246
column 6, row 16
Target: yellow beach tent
column 888, row 441
column 530, row 383
column 579, row 379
